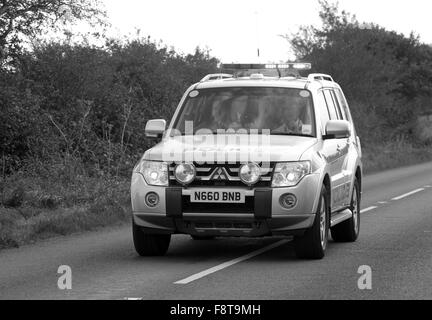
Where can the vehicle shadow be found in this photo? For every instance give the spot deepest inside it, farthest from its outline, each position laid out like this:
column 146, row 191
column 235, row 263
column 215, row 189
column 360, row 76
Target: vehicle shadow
column 224, row 249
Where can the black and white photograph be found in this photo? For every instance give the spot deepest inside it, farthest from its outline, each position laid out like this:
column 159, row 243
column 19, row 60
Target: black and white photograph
column 215, row 156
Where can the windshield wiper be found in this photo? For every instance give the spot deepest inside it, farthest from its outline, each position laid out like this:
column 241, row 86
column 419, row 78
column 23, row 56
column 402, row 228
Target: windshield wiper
column 292, row 134
column 214, row 132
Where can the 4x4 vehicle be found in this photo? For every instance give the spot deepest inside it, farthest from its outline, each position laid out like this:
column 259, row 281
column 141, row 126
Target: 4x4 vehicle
column 263, row 152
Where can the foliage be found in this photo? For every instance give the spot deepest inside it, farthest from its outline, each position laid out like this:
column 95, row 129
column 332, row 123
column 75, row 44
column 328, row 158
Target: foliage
column 77, row 102
column 387, row 75
column 22, row 20
column 73, row 119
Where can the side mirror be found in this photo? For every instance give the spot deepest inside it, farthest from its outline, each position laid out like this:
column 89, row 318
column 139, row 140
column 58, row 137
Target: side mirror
column 155, row 128
column 337, row 129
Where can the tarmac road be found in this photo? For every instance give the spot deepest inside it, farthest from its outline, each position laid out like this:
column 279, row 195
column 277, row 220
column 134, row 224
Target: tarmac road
column 395, row 241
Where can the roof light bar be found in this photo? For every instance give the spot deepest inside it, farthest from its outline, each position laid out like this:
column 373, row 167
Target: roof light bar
column 277, row 66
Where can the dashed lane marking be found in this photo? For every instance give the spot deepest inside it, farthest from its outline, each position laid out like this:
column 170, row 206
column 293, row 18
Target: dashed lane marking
column 368, row 209
column 227, row 264
column 408, row 194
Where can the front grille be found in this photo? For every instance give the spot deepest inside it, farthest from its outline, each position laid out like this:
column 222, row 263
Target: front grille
column 221, row 175
column 247, row 208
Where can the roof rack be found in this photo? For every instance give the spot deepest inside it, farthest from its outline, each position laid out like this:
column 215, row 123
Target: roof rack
column 216, row 76
column 320, row 76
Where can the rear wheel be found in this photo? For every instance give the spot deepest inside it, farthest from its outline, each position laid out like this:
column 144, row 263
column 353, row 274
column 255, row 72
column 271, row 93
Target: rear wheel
column 313, row 243
column 349, row 230
column 203, row 238
column 149, row 244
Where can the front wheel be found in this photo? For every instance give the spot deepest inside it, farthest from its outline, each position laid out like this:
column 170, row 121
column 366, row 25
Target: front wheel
column 313, row 243
column 150, row 244
column 349, row 230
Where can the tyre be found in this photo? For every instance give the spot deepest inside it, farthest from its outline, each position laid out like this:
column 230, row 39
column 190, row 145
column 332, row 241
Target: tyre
column 202, row 238
column 349, row 230
column 313, row 243
column 149, row 244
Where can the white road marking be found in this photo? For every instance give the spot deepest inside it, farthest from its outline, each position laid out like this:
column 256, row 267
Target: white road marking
column 368, row 209
column 227, row 264
column 408, row 194
column 230, row 263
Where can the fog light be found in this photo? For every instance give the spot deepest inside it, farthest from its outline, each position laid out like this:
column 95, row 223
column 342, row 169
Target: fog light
column 250, row 173
column 152, row 199
column 288, row 201
column 185, row 173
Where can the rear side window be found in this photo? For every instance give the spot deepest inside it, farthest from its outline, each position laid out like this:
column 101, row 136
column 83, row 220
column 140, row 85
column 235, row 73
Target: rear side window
column 331, row 105
column 339, row 109
column 343, row 104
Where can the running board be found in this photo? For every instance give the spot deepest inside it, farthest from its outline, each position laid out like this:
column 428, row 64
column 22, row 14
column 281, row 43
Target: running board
column 341, row 217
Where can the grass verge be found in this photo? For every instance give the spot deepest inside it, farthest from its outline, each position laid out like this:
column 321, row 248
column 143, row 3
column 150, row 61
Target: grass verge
column 383, row 157
column 44, row 208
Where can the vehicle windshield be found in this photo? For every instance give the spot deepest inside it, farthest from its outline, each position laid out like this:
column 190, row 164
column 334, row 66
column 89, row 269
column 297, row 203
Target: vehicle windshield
column 275, row 111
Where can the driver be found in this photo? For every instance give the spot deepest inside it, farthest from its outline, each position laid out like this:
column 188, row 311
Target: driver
column 291, row 118
column 237, row 112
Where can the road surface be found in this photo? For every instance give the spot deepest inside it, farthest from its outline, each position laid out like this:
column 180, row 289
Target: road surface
column 395, row 242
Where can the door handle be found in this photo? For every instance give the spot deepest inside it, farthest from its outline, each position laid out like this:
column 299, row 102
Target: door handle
column 338, row 148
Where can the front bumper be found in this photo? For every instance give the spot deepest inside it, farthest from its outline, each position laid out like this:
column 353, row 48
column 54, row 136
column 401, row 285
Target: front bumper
column 229, row 225
column 264, row 217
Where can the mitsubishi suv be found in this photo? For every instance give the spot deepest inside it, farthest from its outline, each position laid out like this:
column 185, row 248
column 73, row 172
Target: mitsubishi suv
column 256, row 151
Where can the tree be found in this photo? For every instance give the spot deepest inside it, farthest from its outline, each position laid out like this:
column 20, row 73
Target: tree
column 387, row 75
column 25, row 19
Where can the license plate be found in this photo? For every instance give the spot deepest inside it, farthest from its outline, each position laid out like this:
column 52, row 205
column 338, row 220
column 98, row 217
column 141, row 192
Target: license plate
column 218, row 196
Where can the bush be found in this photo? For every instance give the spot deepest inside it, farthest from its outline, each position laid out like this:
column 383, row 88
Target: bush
column 80, row 103
column 73, row 120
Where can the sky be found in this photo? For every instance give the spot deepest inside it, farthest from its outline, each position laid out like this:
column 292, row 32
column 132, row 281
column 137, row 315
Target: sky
column 234, row 29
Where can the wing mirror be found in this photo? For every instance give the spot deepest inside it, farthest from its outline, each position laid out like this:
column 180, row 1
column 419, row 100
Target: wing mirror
column 155, row 128
column 337, row 129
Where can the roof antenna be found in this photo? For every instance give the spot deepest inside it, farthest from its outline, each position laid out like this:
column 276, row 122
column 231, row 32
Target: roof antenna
column 257, row 34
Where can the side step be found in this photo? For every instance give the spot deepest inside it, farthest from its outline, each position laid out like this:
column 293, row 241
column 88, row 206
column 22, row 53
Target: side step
column 341, row 217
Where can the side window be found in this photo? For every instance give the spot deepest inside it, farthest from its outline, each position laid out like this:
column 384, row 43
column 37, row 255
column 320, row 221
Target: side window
column 331, row 105
column 322, row 110
column 339, row 109
column 344, row 105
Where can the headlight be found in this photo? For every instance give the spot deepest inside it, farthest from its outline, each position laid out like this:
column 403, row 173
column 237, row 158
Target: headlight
column 289, row 174
column 250, row 173
column 185, row 173
column 155, row 173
